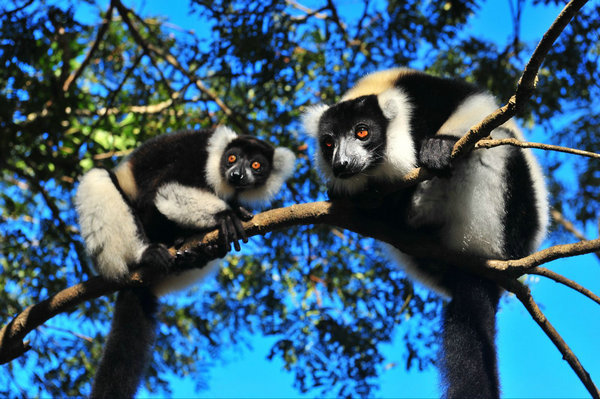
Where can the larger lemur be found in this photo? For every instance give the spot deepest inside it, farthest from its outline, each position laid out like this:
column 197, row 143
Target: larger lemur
column 167, row 188
column 491, row 203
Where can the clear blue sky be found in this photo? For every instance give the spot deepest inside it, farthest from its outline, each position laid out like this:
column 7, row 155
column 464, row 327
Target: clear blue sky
column 530, row 366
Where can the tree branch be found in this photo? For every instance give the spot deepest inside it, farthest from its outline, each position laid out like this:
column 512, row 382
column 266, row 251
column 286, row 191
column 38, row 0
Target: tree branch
column 334, row 214
column 559, row 278
column 489, row 143
column 524, row 295
column 525, row 86
column 150, row 49
column 103, row 28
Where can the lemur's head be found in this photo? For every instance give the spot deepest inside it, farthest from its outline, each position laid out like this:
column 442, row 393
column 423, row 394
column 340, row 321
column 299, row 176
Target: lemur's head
column 366, row 135
column 247, row 162
column 247, row 167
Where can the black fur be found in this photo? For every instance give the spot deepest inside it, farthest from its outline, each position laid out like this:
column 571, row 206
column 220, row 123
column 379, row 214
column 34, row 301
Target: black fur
column 434, row 99
column 128, row 348
column 469, row 355
column 343, row 119
column 469, row 366
column 179, row 157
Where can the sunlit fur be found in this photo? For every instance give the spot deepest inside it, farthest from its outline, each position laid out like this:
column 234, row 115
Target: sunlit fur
column 493, row 204
column 107, row 225
column 168, row 187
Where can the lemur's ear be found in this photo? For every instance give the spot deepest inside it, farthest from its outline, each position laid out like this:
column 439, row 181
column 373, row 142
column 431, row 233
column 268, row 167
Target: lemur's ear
column 311, row 118
column 283, row 162
column 391, row 101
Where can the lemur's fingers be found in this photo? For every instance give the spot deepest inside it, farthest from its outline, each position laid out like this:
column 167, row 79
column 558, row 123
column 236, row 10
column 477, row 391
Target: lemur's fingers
column 225, row 233
column 233, row 231
column 244, row 213
column 240, row 229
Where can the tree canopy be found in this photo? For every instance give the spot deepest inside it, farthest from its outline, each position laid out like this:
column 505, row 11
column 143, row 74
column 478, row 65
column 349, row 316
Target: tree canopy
column 79, row 89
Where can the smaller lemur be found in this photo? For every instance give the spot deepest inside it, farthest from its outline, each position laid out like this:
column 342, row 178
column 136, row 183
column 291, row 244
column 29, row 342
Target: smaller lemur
column 169, row 187
column 490, row 204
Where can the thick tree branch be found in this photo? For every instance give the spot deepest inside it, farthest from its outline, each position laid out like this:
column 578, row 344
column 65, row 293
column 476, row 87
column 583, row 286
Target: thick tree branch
column 334, row 214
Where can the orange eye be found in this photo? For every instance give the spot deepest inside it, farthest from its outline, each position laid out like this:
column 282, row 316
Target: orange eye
column 255, row 165
column 232, row 158
column 362, row 134
column 328, row 142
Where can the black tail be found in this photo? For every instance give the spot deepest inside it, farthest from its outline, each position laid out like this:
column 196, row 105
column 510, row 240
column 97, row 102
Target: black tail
column 469, row 364
column 129, row 345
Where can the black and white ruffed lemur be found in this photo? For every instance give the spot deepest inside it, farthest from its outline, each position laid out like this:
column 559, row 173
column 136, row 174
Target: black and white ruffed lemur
column 166, row 189
column 490, row 204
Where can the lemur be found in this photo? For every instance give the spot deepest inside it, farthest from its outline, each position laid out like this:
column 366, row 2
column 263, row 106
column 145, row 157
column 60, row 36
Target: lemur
column 490, row 204
column 169, row 187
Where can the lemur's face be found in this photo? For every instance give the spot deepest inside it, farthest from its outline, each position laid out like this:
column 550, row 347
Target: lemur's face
column 246, row 163
column 352, row 136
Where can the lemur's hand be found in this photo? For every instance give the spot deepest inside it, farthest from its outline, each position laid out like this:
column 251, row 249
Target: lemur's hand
column 231, row 229
column 157, row 257
column 435, row 154
column 242, row 212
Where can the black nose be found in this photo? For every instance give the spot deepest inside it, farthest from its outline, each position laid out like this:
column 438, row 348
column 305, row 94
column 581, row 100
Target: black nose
column 342, row 169
column 236, row 176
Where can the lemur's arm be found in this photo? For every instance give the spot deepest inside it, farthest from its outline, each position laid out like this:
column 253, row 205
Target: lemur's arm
column 200, row 209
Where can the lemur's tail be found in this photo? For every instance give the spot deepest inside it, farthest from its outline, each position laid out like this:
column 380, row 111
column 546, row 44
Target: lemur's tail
column 129, row 345
column 469, row 331
column 108, row 224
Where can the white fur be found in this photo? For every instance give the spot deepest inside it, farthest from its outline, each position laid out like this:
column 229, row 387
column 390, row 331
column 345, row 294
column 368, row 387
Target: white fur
column 107, row 225
column 311, row 118
column 185, row 279
column 400, row 153
column 189, row 206
column 283, row 167
column 216, row 146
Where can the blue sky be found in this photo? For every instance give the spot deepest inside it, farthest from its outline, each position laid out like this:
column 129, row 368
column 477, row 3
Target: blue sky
column 530, row 365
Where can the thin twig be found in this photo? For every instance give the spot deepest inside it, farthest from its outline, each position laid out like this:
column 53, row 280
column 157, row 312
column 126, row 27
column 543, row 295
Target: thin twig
column 101, row 31
column 170, row 59
column 490, row 143
column 560, row 218
column 524, row 295
column 559, row 278
column 523, row 265
column 525, row 85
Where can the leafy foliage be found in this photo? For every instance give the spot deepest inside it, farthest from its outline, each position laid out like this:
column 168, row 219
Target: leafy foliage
column 328, row 296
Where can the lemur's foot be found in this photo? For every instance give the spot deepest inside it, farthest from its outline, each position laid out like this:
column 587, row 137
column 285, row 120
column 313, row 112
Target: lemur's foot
column 157, row 257
column 200, row 254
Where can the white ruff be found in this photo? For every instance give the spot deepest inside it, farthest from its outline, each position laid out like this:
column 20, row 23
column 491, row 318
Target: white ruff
column 219, row 140
column 311, row 118
column 400, row 153
column 107, row 225
column 283, row 167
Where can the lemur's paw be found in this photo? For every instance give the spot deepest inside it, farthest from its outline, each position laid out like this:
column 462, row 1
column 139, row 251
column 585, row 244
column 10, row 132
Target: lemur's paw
column 435, row 153
column 158, row 257
column 231, row 230
column 243, row 213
